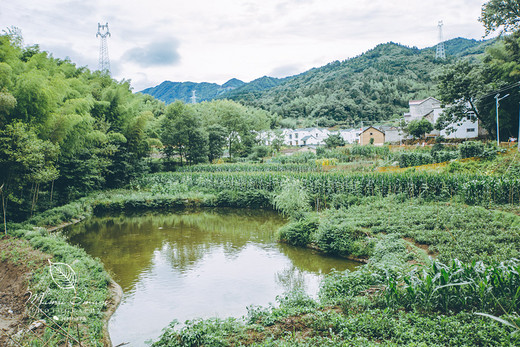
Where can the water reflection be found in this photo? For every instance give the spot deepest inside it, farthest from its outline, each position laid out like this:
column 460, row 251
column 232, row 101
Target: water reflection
column 192, row 264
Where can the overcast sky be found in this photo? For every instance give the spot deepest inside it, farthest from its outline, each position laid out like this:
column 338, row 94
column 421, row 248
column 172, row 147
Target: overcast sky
column 216, row 40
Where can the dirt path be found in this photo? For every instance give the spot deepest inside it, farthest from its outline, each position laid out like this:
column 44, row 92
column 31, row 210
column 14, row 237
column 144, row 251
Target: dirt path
column 18, row 260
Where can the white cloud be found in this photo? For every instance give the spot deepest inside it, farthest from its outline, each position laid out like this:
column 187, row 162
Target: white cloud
column 218, row 40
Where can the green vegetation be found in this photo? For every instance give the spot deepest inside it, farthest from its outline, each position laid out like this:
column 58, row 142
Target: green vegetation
column 440, row 250
column 417, row 128
column 471, row 189
column 74, row 315
column 374, row 86
column 66, row 131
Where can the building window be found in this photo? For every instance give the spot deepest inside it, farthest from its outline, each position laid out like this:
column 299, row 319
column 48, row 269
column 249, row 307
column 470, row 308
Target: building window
column 296, row 143
column 296, row 135
column 470, row 130
column 290, row 143
column 371, row 134
column 290, row 136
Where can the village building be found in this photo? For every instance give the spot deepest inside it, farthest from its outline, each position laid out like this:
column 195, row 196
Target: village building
column 393, row 135
column 369, row 133
column 350, row 135
column 431, row 109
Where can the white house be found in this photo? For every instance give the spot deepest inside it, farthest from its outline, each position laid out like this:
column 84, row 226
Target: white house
column 431, row 109
column 392, row 134
column 305, row 136
column 350, row 135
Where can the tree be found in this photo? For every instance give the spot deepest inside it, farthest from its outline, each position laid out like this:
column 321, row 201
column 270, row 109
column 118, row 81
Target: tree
column 418, row 127
column 334, row 140
column 277, row 141
column 35, row 97
column 501, row 13
column 24, row 160
column 182, row 134
column 240, row 122
column 216, row 141
column 460, row 86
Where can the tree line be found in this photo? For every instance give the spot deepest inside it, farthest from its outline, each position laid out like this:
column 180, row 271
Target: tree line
column 66, row 131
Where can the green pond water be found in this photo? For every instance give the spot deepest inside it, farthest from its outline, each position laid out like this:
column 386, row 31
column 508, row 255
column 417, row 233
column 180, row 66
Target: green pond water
column 196, row 263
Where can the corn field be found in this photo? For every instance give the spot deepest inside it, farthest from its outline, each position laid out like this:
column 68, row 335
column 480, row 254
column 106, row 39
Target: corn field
column 247, row 167
column 471, row 189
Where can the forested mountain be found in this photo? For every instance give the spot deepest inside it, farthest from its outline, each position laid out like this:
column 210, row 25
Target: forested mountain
column 183, row 91
column 371, row 87
column 253, row 88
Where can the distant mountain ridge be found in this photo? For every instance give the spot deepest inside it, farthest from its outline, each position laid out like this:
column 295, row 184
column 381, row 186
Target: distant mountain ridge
column 170, row 91
column 373, row 86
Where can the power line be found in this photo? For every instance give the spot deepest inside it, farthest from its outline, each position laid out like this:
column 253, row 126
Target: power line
column 493, row 93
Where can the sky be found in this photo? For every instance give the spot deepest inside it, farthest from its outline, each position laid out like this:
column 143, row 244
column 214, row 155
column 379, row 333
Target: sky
column 215, row 40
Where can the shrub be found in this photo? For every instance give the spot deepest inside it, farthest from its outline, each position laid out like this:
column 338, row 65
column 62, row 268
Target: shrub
column 299, row 233
column 293, row 199
column 407, row 159
column 337, row 286
column 471, row 149
column 335, row 236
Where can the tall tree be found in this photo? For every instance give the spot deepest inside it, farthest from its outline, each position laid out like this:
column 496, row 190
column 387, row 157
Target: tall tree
column 417, row 128
column 216, row 141
column 503, row 14
column 25, row 161
column 460, row 86
column 182, row 134
column 334, row 141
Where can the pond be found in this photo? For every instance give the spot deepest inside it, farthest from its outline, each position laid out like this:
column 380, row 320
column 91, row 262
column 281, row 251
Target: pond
column 196, row 263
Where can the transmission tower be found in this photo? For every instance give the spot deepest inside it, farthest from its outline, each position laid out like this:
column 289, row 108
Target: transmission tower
column 441, row 52
column 104, row 61
column 193, row 97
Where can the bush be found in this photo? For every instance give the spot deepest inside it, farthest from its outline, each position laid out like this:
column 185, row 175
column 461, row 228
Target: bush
column 407, row 159
column 337, row 286
column 299, row 233
column 442, row 156
column 471, row 149
column 345, row 200
column 236, row 198
column 335, row 236
column 293, row 199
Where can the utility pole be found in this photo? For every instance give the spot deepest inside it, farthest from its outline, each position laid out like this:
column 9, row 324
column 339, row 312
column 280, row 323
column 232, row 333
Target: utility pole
column 497, row 104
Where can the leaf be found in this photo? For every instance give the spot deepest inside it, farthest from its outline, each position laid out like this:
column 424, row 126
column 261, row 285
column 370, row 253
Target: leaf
column 451, row 285
column 503, row 321
column 63, row 275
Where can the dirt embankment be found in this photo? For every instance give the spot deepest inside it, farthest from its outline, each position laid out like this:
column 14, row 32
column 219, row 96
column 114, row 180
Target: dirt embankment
column 18, row 260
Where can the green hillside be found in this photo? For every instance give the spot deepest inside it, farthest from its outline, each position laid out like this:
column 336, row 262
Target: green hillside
column 372, row 87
